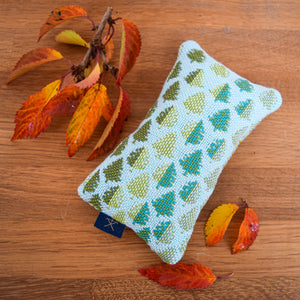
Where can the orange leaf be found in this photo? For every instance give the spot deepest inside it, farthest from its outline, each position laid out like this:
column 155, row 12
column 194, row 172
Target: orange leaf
column 218, row 222
column 61, row 14
column 130, row 48
column 112, row 130
column 91, row 79
column 63, row 103
column 247, row 233
column 33, row 59
column 109, row 48
column 93, row 105
column 181, row 275
column 29, row 119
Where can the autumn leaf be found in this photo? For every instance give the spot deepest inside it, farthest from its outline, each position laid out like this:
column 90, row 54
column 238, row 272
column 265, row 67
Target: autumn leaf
column 181, row 275
column 109, row 48
column 63, row 103
column 247, row 232
column 112, row 130
column 93, row 105
column 71, row 37
column 218, row 222
column 91, row 79
column 59, row 15
column 130, row 48
column 29, row 120
column 33, row 59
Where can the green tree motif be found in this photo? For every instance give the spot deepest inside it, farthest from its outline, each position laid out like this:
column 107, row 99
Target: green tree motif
column 121, row 147
column 211, row 179
column 196, row 55
column 175, row 71
column 120, row 216
column 164, row 205
column 165, row 146
column 190, row 192
column 220, row 70
column 169, row 255
column 151, row 110
column 95, row 201
column 193, row 133
column 167, row 117
column 269, row 99
column 139, row 158
column 164, row 232
column 139, row 186
column 221, row 119
column 244, row 109
column 188, row 220
column 172, row 92
column 113, row 196
column 145, row 234
column 113, row 172
column 221, row 93
column 191, row 163
column 142, row 134
column 216, row 149
column 139, row 213
column 244, row 85
column 91, row 185
column 239, row 136
column 195, row 103
column 165, row 175
column 195, row 78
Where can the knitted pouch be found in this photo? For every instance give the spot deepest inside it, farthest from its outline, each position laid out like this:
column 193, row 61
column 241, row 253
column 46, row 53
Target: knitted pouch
column 159, row 178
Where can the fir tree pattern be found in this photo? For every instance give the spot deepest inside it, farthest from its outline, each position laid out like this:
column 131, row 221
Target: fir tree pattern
column 221, row 93
column 139, row 213
column 113, row 196
column 164, row 205
column 176, row 70
column 195, row 78
column 219, row 70
column 144, row 234
column 165, row 175
column 193, row 133
column 151, row 110
column 95, row 201
column 195, row 103
column 244, row 85
column 139, row 186
column 120, row 216
column 190, row 192
column 220, row 120
column 164, row 232
column 216, row 149
column 113, row 172
column 239, row 136
column 172, row 92
column 139, row 158
column 269, row 99
column 191, row 163
column 211, row 179
column 165, row 146
column 142, row 134
column 121, row 147
column 244, row 109
column 92, row 183
column 168, row 255
column 167, row 117
column 188, row 220
column 196, row 55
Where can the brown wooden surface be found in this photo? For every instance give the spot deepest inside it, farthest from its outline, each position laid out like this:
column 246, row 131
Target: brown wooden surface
column 49, row 247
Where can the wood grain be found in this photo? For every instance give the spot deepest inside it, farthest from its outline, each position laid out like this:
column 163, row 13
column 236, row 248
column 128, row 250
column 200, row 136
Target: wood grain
column 49, row 247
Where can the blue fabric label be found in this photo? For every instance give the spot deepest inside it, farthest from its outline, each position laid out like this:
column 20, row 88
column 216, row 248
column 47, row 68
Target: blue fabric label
column 109, row 225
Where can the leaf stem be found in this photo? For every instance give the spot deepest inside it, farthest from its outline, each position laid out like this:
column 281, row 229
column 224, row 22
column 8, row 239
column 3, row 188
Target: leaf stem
column 225, row 276
column 92, row 21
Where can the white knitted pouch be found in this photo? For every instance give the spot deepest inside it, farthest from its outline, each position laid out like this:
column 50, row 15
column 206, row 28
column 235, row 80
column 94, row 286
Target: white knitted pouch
column 159, row 178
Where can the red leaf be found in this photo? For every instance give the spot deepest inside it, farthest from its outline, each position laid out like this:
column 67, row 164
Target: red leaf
column 63, row 103
column 59, row 15
column 130, row 48
column 218, row 222
column 91, row 79
column 181, row 275
column 29, row 120
column 94, row 104
column 33, row 59
column 247, row 233
column 112, row 130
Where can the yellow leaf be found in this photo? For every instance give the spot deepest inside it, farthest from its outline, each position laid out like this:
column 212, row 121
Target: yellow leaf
column 218, row 222
column 71, row 37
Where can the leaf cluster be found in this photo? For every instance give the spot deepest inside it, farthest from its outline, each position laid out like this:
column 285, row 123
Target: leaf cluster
column 80, row 92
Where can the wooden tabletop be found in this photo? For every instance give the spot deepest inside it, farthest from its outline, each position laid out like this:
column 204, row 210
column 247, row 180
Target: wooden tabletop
column 49, row 246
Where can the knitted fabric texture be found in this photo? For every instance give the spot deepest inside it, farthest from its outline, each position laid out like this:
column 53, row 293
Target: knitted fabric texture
column 159, row 178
